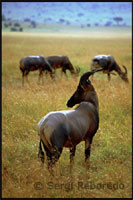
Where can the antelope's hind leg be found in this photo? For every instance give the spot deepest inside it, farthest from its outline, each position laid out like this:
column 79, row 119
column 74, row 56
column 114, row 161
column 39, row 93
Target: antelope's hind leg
column 52, row 158
column 41, row 153
column 87, row 152
column 72, row 154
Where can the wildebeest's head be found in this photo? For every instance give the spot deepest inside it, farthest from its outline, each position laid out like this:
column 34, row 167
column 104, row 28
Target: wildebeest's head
column 48, row 68
column 83, row 90
column 73, row 70
column 76, row 70
column 123, row 75
column 98, row 64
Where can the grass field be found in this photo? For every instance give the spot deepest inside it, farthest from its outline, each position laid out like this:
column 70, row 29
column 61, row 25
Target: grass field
column 110, row 173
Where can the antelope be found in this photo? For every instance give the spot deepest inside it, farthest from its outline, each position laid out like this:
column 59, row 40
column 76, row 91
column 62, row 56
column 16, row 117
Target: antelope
column 108, row 63
column 32, row 63
column 64, row 63
column 68, row 128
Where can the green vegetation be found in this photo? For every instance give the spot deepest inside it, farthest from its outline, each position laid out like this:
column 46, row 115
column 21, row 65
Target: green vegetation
column 23, row 176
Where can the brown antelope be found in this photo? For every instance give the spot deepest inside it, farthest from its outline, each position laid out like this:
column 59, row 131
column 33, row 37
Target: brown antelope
column 32, row 63
column 68, row 128
column 64, row 63
column 108, row 63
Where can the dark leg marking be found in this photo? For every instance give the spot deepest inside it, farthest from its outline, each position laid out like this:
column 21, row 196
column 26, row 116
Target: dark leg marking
column 53, row 158
column 56, row 154
column 72, row 153
column 87, row 151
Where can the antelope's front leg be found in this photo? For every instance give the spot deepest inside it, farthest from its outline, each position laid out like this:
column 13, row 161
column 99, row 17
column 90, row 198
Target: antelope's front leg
column 87, row 152
column 72, row 154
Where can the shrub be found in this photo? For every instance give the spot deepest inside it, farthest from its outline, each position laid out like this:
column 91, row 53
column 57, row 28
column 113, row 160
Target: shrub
column 33, row 24
column 13, row 29
column 16, row 24
column 21, row 29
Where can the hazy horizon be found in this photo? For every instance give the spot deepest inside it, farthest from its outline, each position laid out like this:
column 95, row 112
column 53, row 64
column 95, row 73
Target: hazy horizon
column 70, row 13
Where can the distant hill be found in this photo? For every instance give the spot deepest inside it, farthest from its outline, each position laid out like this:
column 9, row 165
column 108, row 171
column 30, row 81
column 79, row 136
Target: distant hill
column 70, row 13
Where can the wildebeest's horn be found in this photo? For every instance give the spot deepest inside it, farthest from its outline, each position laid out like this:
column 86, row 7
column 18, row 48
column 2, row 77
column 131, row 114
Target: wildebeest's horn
column 125, row 69
column 86, row 75
column 77, row 70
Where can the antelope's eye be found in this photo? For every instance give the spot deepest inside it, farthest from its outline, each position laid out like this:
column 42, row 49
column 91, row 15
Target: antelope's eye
column 88, row 82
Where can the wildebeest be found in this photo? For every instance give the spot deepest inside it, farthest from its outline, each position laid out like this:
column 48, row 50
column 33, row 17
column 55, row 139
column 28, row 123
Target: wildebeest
column 108, row 63
column 69, row 127
column 32, row 63
column 62, row 62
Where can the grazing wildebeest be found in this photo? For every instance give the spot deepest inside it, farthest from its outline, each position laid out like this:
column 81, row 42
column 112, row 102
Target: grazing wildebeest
column 62, row 62
column 32, row 63
column 69, row 127
column 108, row 63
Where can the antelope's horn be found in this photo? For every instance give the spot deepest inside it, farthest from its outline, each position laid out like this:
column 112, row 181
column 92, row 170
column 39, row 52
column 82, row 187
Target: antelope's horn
column 86, row 75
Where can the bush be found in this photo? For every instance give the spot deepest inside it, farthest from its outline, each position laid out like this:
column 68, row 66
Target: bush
column 88, row 25
column 10, row 23
column 33, row 24
column 96, row 24
column 5, row 25
column 21, row 29
column 16, row 24
column 26, row 20
column 3, row 18
column 80, row 14
column 13, row 29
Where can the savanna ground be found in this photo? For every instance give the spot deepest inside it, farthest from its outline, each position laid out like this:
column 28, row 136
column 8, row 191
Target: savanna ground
column 110, row 173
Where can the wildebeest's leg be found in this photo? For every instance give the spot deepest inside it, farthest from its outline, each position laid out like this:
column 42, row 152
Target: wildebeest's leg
column 109, row 77
column 87, row 151
column 22, row 78
column 64, row 71
column 41, row 153
column 72, row 154
column 26, row 76
column 40, row 76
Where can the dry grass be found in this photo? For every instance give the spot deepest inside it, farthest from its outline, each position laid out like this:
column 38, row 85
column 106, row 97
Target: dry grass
column 22, row 107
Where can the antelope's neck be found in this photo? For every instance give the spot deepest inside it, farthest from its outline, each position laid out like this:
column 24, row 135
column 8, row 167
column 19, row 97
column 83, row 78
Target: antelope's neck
column 93, row 98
